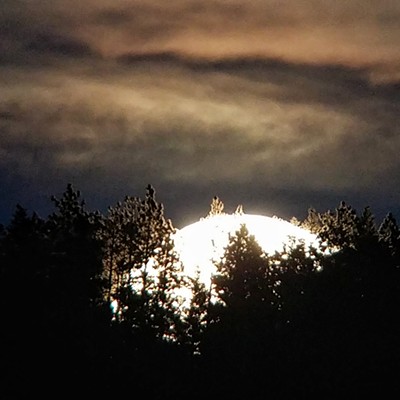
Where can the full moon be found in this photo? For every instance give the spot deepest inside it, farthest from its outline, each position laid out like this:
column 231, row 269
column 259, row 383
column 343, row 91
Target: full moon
column 203, row 242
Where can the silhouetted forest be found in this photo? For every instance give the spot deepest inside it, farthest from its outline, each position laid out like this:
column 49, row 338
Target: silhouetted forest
column 90, row 304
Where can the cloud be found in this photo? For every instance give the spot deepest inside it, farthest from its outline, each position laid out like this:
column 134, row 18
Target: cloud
column 59, row 45
column 300, row 125
column 354, row 33
column 279, row 102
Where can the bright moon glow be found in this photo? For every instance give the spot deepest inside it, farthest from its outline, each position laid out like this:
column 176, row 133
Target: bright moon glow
column 203, row 242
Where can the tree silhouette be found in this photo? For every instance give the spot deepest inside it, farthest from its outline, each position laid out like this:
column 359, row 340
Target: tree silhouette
column 304, row 322
column 76, row 256
column 52, row 269
column 346, row 306
column 195, row 319
column 242, row 323
column 243, row 271
column 389, row 236
column 142, row 265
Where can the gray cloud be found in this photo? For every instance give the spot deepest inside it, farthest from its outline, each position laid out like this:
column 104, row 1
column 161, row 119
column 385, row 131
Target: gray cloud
column 58, row 45
column 270, row 104
column 353, row 33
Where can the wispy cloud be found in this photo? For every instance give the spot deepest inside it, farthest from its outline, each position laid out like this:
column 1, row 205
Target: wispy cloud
column 300, row 96
column 354, row 33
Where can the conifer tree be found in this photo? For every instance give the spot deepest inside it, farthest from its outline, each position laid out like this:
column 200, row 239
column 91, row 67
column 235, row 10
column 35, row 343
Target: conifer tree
column 312, row 222
column 24, row 249
column 142, row 265
column 367, row 240
column 245, row 286
column 243, row 270
column 196, row 317
column 242, row 323
column 216, row 207
column 76, row 267
column 292, row 269
column 367, row 224
column 23, row 241
column 339, row 228
column 118, row 233
column 389, row 236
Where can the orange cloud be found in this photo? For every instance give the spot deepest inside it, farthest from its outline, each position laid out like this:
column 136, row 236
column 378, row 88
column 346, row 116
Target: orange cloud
column 352, row 33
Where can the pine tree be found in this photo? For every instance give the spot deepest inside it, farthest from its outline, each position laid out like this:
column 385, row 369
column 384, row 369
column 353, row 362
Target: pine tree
column 312, row 222
column 367, row 224
column 245, row 285
column 389, row 236
column 292, row 269
column 117, row 234
column 242, row 271
column 142, row 266
column 339, row 229
column 23, row 242
column 367, row 240
column 216, row 207
column 24, row 254
column 242, row 323
column 52, row 271
column 76, row 255
column 195, row 319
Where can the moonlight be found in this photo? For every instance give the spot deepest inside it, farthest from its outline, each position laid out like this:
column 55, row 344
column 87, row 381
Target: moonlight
column 202, row 243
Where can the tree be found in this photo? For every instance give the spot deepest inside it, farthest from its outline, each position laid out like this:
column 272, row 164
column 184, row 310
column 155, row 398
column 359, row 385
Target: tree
column 294, row 269
column 312, row 222
column 142, row 266
column 51, row 291
column 389, row 236
column 246, row 291
column 344, row 229
column 117, row 233
column 76, row 257
column 243, row 270
column 24, row 255
column 339, row 229
column 23, row 244
column 195, row 318
column 216, row 207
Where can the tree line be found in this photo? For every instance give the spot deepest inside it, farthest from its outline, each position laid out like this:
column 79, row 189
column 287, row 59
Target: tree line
column 93, row 302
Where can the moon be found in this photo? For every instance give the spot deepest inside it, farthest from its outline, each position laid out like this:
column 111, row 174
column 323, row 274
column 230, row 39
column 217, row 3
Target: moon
column 203, row 242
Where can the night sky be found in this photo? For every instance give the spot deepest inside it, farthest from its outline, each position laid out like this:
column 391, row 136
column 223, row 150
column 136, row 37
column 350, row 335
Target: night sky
column 277, row 105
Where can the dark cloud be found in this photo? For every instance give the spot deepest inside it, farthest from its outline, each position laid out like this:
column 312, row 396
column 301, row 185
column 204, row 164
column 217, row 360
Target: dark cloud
column 58, row 45
column 276, row 107
column 339, row 82
column 354, row 33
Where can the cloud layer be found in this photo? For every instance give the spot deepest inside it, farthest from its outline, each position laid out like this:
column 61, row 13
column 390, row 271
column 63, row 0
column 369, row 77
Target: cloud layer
column 355, row 32
column 271, row 104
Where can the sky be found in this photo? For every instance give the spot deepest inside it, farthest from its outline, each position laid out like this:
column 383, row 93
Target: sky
column 276, row 105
